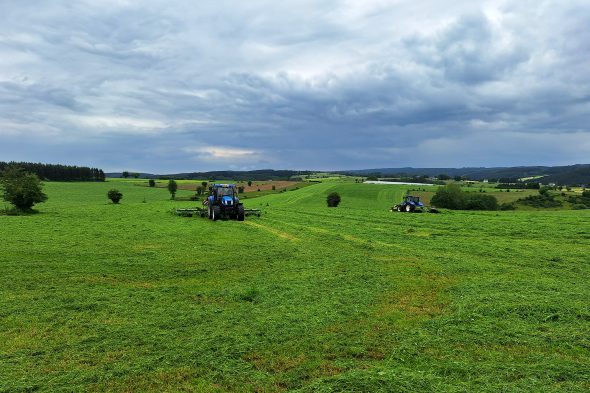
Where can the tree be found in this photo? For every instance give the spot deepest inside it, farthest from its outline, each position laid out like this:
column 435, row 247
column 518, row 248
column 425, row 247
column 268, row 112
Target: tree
column 172, row 187
column 443, row 176
column 240, row 189
column 249, row 183
column 125, row 174
column 135, row 175
column 204, row 184
column 333, row 199
column 114, row 195
column 452, row 197
column 449, row 196
column 152, row 183
column 457, row 178
column 274, row 187
column 199, row 190
column 21, row 188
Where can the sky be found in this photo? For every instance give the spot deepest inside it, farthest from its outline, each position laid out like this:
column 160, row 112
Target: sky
column 182, row 86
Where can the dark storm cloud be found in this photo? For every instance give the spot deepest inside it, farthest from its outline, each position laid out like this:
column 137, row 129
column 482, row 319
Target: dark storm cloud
column 179, row 86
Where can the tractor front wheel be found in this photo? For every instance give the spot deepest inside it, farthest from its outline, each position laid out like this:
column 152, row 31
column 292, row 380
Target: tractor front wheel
column 216, row 213
column 240, row 213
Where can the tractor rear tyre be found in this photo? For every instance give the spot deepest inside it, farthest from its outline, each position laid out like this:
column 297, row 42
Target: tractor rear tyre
column 409, row 208
column 216, row 213
column 240, row 213
column 209, row 213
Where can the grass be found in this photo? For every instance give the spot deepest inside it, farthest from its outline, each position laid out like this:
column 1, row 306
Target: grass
column 103, row 297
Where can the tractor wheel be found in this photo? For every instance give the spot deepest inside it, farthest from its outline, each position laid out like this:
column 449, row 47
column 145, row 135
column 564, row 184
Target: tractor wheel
column 409, row 208
column 210, row 213
column 216, row 213
column 240, row 213
column 399, row 208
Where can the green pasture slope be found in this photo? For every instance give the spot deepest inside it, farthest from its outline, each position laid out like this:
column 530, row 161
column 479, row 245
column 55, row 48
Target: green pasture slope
column 102, row 297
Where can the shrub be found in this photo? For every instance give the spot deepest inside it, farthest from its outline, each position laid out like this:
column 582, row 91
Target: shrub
column 452, row 197
column 543, row 200
column 249, row 183
column 579, row 206
column 480, row 202
column 507, row 206
column 240, row 189
column 21, row 188
column 333, row 199
column 172, row 187
column 152, row 183
column 274, row 187
column 114, row 195
column 449, row 196
column 545, row 190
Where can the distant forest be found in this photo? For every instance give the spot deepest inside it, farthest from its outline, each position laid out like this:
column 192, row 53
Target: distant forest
column 57, row 172
column 255, row 175
column 570, row 174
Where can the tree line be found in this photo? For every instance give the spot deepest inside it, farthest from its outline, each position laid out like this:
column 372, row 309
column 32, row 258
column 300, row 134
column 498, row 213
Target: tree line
column 57, row 172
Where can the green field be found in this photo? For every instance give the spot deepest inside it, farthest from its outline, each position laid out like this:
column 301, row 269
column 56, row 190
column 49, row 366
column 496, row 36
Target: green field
column 103, row 297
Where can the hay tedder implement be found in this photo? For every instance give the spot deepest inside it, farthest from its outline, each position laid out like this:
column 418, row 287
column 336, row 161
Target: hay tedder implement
column 222, row 202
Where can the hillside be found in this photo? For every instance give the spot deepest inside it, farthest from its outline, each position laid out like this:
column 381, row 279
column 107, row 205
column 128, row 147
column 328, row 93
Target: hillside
column 103, row 297
column 571, row 174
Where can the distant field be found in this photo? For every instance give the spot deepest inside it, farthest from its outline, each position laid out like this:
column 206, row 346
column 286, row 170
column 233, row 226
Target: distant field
column 191, row 185
column 102, row 297
column 502, row 197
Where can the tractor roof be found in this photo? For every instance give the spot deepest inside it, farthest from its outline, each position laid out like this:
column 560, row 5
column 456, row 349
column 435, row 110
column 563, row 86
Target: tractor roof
column 223, row 185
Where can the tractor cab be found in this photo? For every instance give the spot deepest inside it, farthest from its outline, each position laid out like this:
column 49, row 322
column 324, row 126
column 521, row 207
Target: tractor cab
column 226, row 193
column 414, row 200
column 223, row 201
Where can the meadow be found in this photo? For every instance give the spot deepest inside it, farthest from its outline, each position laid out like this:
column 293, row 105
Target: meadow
column 102, row 297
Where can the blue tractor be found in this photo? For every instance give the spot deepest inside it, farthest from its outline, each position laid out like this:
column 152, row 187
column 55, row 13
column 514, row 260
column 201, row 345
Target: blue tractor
column 223, row 202
column 412, row 204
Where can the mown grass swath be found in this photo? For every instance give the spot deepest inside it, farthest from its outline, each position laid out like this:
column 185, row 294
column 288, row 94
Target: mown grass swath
column 96, row 296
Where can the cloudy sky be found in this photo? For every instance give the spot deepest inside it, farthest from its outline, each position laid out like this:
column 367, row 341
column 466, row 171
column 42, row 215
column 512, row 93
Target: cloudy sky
column 169, row 86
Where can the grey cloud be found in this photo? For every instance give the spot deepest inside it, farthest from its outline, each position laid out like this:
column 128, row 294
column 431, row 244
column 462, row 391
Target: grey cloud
column 300, row 84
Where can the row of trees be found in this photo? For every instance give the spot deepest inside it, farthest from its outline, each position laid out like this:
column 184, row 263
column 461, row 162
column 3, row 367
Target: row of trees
column 57, row 172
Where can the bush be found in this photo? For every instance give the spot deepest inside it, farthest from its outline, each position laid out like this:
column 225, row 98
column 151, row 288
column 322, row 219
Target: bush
column 240, row 189
column 449, row 197
column 507, row 206
column 452, row 197
column 172, row 187
column 114, row 195
column 274, row 187
column 480, row 202
column 543, row 200
column 333, row 199
column 579, row 206
column 152, row 183
column 21, row 188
